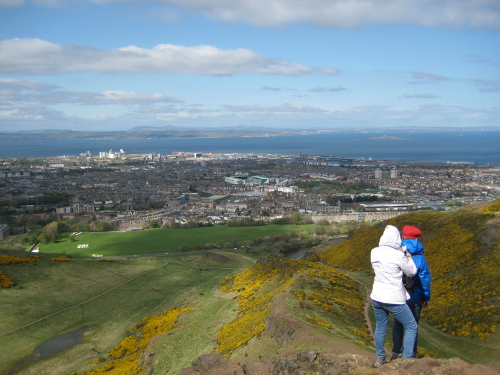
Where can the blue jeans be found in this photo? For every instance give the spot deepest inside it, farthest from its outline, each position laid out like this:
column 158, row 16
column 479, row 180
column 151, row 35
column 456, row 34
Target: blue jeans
column 402, row 314
column 397, row 331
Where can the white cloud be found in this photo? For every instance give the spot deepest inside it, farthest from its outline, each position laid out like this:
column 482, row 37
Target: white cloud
column 350, row 13
column 328, row 13
column 325, row 13
column 36, row 56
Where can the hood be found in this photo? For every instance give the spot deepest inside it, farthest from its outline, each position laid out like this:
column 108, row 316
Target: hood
column 414, row 247
column 391, row 238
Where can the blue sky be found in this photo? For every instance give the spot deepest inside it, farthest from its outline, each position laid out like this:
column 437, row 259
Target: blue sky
column 316, row 64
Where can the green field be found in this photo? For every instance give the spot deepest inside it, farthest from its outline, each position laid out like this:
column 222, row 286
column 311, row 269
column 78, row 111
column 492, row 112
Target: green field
column 107, row 300
column 154, row 241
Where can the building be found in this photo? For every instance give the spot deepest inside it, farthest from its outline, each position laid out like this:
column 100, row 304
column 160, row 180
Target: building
column 4, row 231
column 394, row 173
column 378, row 173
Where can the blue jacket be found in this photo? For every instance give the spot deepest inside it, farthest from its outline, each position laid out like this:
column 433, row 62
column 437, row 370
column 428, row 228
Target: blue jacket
column 422, row 289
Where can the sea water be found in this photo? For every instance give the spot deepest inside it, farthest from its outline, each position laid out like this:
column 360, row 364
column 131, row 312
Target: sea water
column 481, row 147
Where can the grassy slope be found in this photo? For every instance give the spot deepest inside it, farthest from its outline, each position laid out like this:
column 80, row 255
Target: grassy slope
column 47, row 287
column 154, row 241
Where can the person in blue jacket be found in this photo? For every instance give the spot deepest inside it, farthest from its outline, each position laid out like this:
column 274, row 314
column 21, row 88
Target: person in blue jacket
column 419, row 287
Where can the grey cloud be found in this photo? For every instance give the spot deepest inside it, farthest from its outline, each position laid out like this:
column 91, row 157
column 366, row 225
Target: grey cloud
column 36, row 56
column 327, row 89
column 39, row 92
column 487, row 85
column 269, row 88
column 14, row 112
column 11, row 88
column 428, row 77
column 420, row 96
column 284, row 108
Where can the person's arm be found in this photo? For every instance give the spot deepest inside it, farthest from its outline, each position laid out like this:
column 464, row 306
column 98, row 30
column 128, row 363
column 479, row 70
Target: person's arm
column 408, row 265
column 425, row 281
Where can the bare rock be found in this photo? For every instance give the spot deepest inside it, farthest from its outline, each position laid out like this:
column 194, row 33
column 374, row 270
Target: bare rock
column 324, row 363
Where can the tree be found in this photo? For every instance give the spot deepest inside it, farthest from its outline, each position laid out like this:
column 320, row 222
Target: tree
column 62, row 226
column 297, row 218
column 144, row 225
column 31, row 223
column 154, row 224
column 319, row 229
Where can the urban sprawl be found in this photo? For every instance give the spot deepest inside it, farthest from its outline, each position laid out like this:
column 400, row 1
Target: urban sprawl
column 130, row 192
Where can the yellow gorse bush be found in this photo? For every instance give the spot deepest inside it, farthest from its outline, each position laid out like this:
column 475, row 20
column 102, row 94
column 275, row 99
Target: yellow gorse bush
column 318, row 321
column 124, row 359
column 462, row 250
column 257, row 286
column 8, row 259
column 6, row 281
column 62, row 259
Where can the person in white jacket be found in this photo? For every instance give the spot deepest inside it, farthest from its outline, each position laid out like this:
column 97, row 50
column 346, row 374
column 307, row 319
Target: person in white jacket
column 389, row 261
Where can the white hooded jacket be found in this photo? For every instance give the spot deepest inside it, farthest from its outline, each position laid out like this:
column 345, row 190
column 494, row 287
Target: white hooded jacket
column 389, row 263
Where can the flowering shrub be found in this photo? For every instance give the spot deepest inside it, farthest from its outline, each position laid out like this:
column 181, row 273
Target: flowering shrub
column 6, row 281
column 257, row 286
column 462, row 250
column 7, row 259
column 319, row 322
column 62, row 259
column 125, row 357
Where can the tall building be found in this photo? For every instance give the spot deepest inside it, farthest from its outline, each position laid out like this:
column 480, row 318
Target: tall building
column 378, row 173
column 394, row 173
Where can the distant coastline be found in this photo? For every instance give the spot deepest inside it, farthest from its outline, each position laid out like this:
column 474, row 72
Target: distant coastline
column 391, row 137
column 227, row 132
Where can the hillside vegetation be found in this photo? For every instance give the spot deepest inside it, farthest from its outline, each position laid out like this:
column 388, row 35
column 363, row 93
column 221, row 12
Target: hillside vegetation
column 462, row 249
column 156, row 314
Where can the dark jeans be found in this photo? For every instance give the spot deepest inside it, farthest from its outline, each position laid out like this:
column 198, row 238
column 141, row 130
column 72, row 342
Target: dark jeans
column 397, row 331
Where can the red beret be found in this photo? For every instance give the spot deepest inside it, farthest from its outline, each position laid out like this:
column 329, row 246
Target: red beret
column 411, row 232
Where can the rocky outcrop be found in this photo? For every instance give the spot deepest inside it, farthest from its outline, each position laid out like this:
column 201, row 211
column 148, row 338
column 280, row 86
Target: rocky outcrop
column 219, row 257
column 321, row 363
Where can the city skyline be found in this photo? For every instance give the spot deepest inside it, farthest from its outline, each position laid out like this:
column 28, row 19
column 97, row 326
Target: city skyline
column 115, row 65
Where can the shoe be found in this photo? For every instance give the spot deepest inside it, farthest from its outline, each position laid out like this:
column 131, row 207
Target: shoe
column 379, row 362
column 396, row 356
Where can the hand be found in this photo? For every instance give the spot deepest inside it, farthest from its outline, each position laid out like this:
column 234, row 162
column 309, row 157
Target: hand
column 425, row 304
column 407, row 253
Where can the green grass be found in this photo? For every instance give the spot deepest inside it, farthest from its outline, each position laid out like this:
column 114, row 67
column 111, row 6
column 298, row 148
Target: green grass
column 46, row 287
column 153, row 241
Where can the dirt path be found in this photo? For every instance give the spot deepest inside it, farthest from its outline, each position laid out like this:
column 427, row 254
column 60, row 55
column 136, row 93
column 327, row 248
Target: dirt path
column 81, row 303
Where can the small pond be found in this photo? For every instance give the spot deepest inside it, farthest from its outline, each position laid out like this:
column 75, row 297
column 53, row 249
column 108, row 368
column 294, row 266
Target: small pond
column 59, row 343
